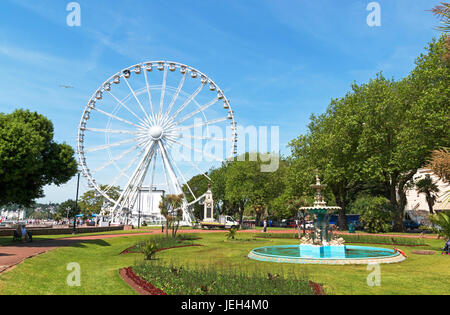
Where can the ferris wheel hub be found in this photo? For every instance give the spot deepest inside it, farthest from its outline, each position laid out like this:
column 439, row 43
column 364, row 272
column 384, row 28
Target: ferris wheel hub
column 156, row 132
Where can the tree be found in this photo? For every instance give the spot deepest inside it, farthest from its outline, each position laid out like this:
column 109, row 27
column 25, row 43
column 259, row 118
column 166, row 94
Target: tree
column 440, row 164
column 443, row 13
column 170, row 207
column 442, row 220
column 403, row 122
column 331, row 146
column 429, row 189
column 218, row 189
column 378, row 135
column 92, row 202
column 199, row 185
column 375, row 213
column 69, row 208
column 30, row 159
column 247, row 186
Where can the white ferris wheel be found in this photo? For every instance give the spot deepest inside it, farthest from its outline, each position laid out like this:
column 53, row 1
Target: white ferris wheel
column 154, row 124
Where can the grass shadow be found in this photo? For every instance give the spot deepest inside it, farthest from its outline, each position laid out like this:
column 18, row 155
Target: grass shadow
column 63, row 242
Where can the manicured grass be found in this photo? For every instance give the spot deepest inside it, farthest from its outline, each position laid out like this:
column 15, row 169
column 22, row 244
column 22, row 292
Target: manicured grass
column 419, row 274
column 100, row 262
column 7, row 240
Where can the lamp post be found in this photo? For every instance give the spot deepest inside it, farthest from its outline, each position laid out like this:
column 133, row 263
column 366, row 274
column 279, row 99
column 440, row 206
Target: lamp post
column 139, row 208
column 76, row 206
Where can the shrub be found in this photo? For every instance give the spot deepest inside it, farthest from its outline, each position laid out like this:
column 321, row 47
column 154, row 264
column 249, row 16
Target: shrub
column 355, row 238
column 442, row 221
column 231, row 234
column 375, row 213
column 161, row 242
column 149, row 249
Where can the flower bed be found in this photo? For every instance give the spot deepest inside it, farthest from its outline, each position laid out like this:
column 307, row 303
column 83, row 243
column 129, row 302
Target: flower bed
column 145, row 288
column 318, row 289
column 201, row 280
column 139, row 284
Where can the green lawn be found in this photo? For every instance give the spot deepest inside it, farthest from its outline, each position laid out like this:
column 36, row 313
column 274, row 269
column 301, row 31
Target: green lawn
column 100, row 261
column 7, row 240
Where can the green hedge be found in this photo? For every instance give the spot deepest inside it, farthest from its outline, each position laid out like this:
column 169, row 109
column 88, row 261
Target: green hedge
column 366, row 239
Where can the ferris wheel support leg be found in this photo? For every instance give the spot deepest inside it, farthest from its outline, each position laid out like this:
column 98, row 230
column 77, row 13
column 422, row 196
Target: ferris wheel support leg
column 187, row 216
column 134, row 178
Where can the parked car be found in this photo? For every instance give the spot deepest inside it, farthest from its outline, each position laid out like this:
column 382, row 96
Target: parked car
column 288, row 223
column 410, row 225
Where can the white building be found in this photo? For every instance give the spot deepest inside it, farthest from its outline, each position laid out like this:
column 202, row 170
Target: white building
column 147, row 207
column 12, row 215
column 417, row 205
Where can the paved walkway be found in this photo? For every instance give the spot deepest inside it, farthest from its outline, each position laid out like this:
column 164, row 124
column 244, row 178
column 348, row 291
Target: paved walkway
column 10, row 256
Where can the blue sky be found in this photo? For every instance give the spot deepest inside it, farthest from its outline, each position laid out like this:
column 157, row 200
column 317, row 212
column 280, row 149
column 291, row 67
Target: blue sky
column 277, row 60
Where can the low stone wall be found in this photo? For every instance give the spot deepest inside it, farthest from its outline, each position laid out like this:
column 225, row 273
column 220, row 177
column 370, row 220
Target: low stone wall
column 61, row 231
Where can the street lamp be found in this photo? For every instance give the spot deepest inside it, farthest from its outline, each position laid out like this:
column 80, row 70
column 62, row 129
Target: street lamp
column 76, row 205
column 139, row 208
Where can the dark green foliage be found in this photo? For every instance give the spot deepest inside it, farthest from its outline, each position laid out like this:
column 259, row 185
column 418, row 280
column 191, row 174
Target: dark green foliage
column 376, row 213
column 71, row 206
column 149, row 249
column 378, row 135
column 29, row 158
column 427, row 187
column 91, row 202
column 442, row 223
column 355, row 238
column 199, row 185
column 231, row 235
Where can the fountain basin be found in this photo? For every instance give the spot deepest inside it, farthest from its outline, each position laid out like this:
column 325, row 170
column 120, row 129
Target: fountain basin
column 331, row 255
column 314, row 251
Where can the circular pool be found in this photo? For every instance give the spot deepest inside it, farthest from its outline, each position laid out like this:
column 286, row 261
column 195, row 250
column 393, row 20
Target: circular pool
column 351, row 255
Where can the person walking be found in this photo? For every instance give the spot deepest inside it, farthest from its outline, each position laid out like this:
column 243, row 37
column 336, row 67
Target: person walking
column 265, row 226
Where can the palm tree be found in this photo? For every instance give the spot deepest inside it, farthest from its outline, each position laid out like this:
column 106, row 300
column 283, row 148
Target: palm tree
column 427, row 187
column 443, row 13
column 440, row 164
column 170, row 209
column 443, row 221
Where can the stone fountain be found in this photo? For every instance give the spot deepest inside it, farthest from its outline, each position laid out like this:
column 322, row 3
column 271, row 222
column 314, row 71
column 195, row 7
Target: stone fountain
column 320, row 242
column 321, row 246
